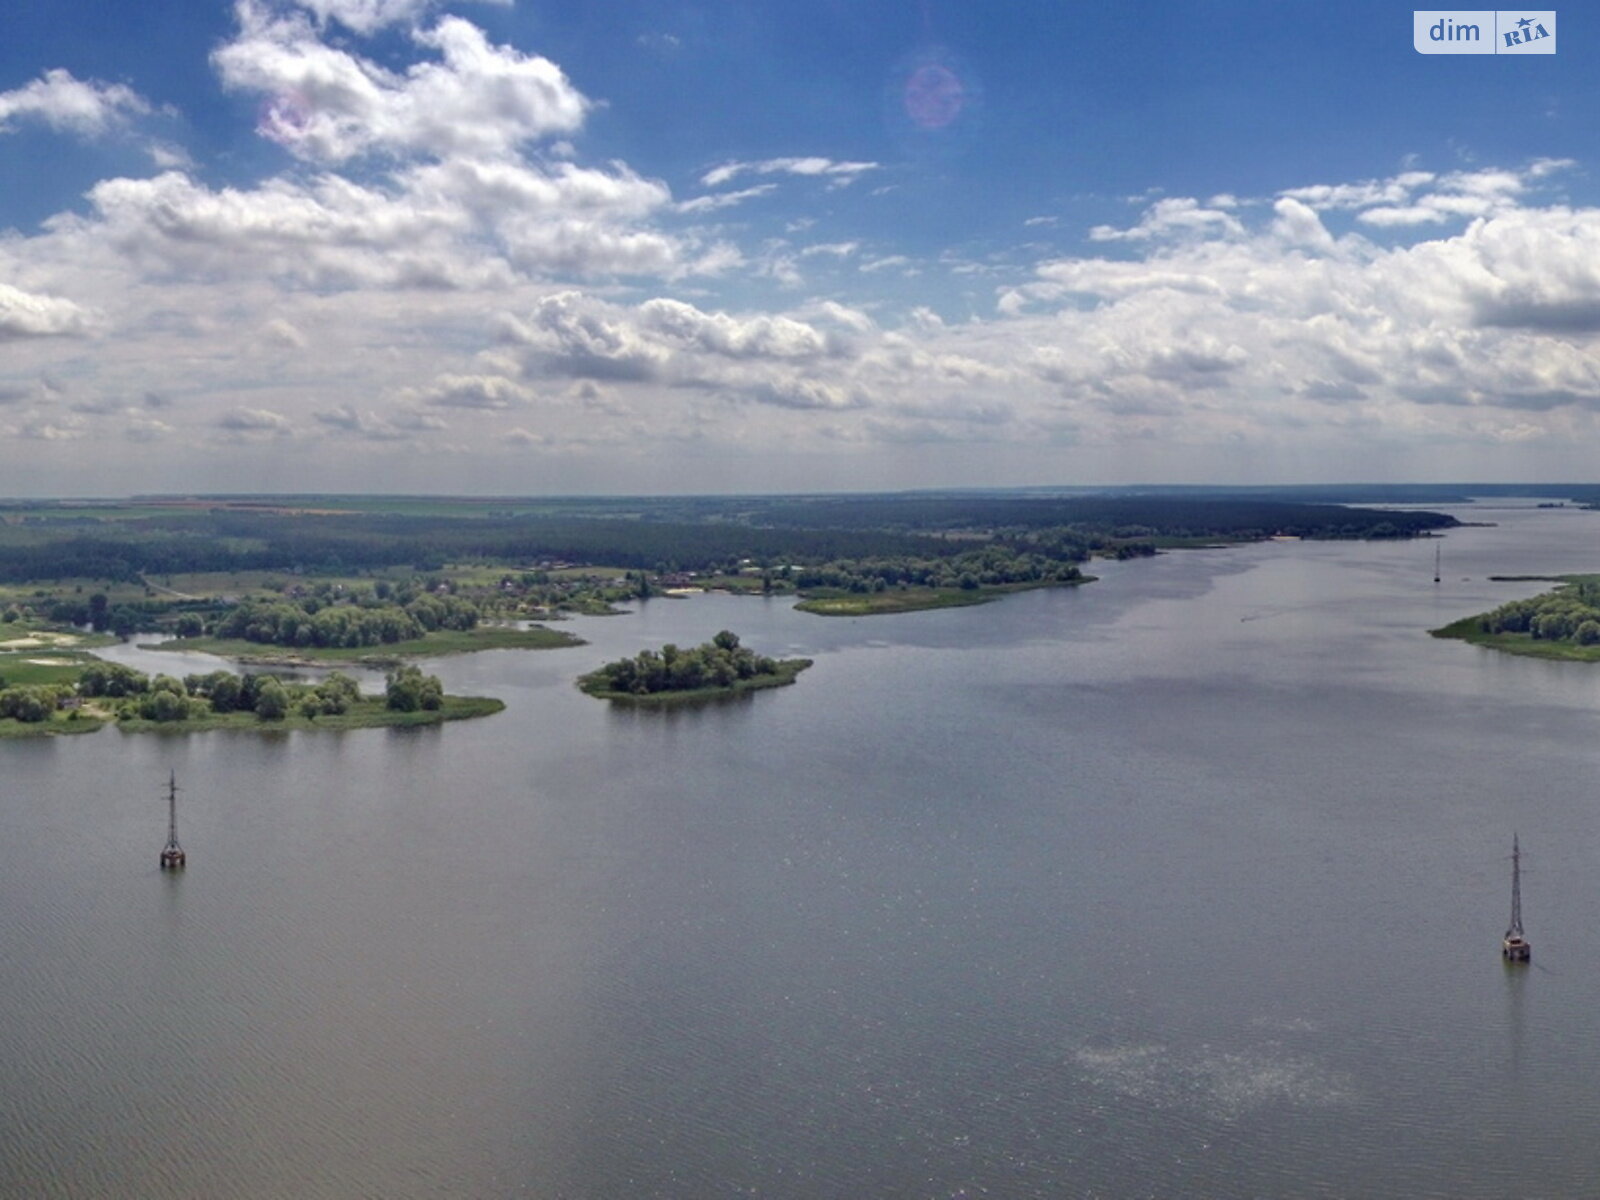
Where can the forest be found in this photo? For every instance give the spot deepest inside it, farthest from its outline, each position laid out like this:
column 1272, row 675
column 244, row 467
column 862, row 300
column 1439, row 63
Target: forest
column 149, row 536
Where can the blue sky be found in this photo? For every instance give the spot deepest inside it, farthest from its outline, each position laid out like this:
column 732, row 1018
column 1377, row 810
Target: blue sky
column 611, row 246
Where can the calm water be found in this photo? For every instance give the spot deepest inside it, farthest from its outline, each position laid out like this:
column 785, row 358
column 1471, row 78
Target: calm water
column 1189, row 882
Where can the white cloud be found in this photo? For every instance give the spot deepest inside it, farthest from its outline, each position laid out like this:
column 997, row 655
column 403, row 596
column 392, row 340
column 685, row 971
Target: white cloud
column 368, row 16
column 254, row 424
column 720, row 200
column 27, row 315
column 349, row 303
column 1416, row 198
column 773, row 359
column 70, row 105
column 369, row 425
column 1173, row 217
column 813, row 167
column 1395, row 190
column 831, row 249
column 752, row 337
column 327, row 105
column 482, row 392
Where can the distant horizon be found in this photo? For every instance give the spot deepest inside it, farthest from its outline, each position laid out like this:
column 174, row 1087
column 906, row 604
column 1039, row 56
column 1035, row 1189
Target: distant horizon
column 1527, row 488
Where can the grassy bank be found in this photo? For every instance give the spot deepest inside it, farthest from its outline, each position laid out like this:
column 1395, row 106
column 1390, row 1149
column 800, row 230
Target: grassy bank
column 594, row 684
column 1468, row 629
column 484, row 637
column 897, row 600
column 367, row 713
column 1562, row 625
column 61, row 722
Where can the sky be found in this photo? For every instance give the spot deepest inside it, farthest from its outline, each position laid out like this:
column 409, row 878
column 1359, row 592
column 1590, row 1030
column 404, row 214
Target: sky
column 534, row 247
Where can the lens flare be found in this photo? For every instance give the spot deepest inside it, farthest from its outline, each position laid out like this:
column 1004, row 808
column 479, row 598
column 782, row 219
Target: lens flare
column 933, row 103
column 934, row 96
column 284, row 118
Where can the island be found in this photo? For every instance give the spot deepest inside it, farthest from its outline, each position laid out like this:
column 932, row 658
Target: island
column 1561, row 624
column 106, row 693
column 720, row 667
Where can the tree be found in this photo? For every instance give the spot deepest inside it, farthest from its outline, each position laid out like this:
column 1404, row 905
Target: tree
column 407, row 689
column 272, row 699
column 124, row 621
column 163, row 704
column 336, row 693
column 224, row 689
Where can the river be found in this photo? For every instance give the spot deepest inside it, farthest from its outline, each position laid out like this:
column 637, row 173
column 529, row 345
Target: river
column 1187, row 882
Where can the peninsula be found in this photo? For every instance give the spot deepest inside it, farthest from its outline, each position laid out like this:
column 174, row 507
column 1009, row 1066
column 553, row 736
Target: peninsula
column 1561, row 624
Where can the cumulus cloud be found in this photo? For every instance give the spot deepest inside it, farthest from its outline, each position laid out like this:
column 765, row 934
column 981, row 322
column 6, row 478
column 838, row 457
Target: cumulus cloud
column 1229, row 330
column 753, row 337
column 1173, row 217
column 571, row 334
column 442, row 182
column 769, row 358
column 255, row 424
column 1413, row 198
column 70, row 105
column 327, row 105
column 483, row 392
column 27, row 315
column 455, row 225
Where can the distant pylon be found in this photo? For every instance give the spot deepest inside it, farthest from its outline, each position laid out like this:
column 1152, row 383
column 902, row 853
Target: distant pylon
column 172, row 855
column 1516, row 947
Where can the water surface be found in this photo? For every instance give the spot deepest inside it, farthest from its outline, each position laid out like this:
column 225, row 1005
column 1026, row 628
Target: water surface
column 1188, row 882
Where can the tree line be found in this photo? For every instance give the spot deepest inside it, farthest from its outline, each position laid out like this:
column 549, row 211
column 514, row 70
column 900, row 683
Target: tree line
column 1568, row 614
column 130, row 694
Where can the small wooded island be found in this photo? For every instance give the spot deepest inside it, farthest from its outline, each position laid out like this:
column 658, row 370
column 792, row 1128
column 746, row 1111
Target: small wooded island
column 1564, row 623
column 720, row 667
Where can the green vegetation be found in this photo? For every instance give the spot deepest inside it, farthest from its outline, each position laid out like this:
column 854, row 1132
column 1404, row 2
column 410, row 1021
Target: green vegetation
column 1561, row 624
column 368, row 713
column 137, row 702
column 484, row 637
column 720, row 667
column 61, row 722
column 904, row 598
column 148, row 542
